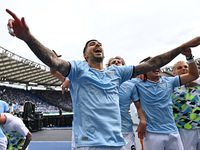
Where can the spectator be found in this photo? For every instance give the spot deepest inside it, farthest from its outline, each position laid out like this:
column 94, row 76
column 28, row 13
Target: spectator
column 16, row 131
column 186, row 100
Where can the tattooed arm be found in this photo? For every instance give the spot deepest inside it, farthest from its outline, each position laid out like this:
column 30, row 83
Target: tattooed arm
column 48, row 57
column 21, row 31
column 161, row 60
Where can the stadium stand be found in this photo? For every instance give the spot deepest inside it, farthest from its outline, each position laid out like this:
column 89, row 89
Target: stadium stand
column 16, row 70
column 44, row 100
column 36, row 106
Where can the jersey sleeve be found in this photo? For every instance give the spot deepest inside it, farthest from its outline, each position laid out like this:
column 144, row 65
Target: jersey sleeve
column 126, row 72
column 6, row 107
column 134, row 95
column 176, row 81
column 76, row 68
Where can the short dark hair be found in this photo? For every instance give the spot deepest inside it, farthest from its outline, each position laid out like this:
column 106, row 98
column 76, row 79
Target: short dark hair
column 145, row 60
column 87, row 44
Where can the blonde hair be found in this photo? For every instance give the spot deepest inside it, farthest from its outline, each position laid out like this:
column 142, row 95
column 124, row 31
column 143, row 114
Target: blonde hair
column 177, row 63
column 117, row 57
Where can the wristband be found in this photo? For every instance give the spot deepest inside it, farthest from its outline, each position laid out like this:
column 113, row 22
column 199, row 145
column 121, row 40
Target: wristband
column 190, row 61
column 191, row 57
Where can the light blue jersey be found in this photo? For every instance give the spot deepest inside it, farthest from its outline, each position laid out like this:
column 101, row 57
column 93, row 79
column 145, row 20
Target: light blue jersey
column 3, row 108
column 126, row 97
column 97, row 120
column 156, row 102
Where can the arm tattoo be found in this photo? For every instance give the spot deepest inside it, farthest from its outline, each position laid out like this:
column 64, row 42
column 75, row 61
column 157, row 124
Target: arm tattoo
column 157, row 61
column 48, row 57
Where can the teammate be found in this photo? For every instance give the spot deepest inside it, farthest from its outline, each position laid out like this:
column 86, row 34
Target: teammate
column 155, row 98
column 16, row 131
column 94, row 89
column 126, row 97
column 186, row 100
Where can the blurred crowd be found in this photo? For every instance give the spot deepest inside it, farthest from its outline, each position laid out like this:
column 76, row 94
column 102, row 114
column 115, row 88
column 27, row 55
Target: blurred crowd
column 45, row 100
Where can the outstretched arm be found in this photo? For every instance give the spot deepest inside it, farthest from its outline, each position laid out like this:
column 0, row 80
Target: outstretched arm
column 21, row 31
column 161, row 60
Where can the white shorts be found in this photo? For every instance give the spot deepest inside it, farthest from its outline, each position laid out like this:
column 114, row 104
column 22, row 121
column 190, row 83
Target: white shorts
column 3, row 143
column 98, row 148
column 190, row 138
column 156, row 141
column 130, row 139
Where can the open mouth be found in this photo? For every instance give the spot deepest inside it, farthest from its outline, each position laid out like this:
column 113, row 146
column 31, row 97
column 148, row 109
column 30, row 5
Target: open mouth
column 184, row 72
column 98, row 51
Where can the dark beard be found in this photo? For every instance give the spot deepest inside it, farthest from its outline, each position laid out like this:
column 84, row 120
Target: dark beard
column 99, row 59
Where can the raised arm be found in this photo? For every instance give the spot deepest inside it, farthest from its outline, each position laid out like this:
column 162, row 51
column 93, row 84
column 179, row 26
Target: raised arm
column 21, row 31
column 161, row 60
column 193, row 72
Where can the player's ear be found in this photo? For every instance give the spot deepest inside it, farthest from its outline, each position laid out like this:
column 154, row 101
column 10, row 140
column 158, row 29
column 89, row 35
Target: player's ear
column 85, row 56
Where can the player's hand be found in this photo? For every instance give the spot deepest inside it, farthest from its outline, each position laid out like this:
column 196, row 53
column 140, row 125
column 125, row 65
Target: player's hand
column 142, row 77
column 141, row 129
column 65, row 86
column 19, row 27
column 187, row 52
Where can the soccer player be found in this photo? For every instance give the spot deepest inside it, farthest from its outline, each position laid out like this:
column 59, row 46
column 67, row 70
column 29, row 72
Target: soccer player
column 186, row 100
column 155, row 98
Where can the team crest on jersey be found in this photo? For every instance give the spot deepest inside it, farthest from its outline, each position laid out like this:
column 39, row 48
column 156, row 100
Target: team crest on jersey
column 125, row 88
column 110, row 72
column 84, row 138
column 163, row 84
